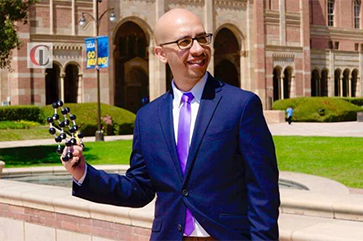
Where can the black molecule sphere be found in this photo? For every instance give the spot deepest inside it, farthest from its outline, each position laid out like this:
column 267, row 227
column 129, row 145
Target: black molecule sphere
column 52, row 130
column 63, row 136
column 58, row 139
column 50, row 120
column 59, row 150
column 59, row 103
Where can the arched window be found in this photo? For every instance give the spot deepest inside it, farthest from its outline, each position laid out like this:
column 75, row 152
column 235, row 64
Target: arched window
column 331, row 12
column 357, row 13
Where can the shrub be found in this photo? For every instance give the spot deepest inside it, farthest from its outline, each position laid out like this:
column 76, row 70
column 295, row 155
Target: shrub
column 355, row 101
column 17, row 124
column 20, row 112
column 319, row 109
column 114, row 120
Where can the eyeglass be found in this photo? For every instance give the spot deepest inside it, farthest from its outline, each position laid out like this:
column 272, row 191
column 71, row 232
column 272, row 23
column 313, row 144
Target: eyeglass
column 187, row 43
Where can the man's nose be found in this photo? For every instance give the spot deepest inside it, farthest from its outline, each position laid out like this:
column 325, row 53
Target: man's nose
column 196, row 48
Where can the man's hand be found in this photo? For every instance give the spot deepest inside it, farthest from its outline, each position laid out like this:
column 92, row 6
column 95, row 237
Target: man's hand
column 76, row 165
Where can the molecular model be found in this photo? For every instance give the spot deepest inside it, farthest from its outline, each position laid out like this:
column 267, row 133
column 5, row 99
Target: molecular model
column 55, row 124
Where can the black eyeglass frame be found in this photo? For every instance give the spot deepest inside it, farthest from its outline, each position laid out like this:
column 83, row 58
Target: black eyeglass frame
column 208, row 35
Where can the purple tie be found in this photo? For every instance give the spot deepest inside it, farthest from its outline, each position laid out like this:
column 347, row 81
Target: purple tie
column 183, row 147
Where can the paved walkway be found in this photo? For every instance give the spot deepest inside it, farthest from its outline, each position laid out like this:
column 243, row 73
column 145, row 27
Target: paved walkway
column 353, row 129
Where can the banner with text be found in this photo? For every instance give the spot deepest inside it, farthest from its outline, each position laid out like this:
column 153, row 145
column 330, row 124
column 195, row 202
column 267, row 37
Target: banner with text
column 102, row 50
column 102, row 46
column 90, row 53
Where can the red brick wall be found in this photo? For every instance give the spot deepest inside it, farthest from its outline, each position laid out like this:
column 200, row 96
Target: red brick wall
column 293, row 35
column 292, row 6
column 318, row 12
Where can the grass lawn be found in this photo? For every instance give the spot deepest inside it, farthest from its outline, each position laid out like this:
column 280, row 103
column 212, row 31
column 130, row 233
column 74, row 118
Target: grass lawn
column 39, row 132
column 96, row 153
column 337, row 158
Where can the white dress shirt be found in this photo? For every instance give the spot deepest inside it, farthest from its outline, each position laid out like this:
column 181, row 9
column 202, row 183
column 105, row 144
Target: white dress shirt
column 197, row 92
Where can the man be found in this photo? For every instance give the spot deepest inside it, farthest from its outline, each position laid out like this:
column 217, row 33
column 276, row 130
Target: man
column 289, row 112
column 203, row 147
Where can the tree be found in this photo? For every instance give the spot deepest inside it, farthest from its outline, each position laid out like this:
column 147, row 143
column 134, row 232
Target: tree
column 11, row 11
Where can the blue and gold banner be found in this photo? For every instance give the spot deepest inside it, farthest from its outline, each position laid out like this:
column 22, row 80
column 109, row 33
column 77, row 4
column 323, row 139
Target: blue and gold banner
column 102, row 50
column 90, row 53
column 102, row 46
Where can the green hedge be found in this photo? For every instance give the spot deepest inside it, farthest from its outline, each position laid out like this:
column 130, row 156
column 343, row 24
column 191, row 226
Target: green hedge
column 20, row 112
column 355, row 101
column 115, row 120
column 319, row 109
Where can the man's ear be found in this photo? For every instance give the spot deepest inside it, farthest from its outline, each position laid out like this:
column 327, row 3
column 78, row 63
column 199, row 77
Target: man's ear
column 159, row 52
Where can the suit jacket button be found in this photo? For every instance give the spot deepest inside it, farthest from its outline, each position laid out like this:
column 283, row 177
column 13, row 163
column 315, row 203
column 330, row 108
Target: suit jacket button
column 185, row 192
column 180, row 228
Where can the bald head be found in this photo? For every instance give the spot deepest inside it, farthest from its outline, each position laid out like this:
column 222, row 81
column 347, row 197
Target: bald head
column 166, row 25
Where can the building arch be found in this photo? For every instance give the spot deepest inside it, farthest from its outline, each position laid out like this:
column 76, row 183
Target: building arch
column 287, row 82
column 345, row 83
column 130, row 55
column 141, row 23
column 226, row 71
column 315, row 82
column 53, row 83
column 71, row 83
column 337, row 84
column 354, row 83
column 236, row 31
column 277, row 94
column 324, row 77
column 227, row 57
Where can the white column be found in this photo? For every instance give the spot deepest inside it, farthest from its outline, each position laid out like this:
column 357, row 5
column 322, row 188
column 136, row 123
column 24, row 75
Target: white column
column 282, row 23
column 331, row 77
column 341, row 79
column 281, row 87
column 80, row 91
column 243, row 70
column 350, row 87
column 62, row 86
column 293, row 87
column 209, row 28
column 360, row 89
column 95, row 2
column 73, row 17
column 51, row 9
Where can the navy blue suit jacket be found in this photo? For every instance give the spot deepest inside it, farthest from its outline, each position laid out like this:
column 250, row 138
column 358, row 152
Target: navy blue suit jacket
column 231, row 179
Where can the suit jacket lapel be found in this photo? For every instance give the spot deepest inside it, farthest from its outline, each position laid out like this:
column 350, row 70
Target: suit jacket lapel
column 166, row 121
column 208, row 104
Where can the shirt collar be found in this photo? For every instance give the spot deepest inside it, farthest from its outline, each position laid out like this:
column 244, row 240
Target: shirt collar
column 197, row 91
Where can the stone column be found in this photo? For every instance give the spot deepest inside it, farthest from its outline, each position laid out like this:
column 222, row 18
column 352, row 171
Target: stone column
column 329, row 86
column 350, row 87
column 331, row 81
column 281, row 87
column 61, row 78
column 209, row 28
column 282, row 23
column 341, row 79
column 157, row 70
column 73, row 17
column 293, row 87
column 80, row 91
column 360, row 89
column 243, row 70
column 51, row 9
column 95, row 2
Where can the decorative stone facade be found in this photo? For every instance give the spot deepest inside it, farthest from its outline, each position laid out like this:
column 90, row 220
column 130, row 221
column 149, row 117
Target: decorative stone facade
column 275, row 48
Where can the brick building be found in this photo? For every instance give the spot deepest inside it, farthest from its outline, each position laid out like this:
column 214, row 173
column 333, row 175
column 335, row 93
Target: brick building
column 275, row 48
